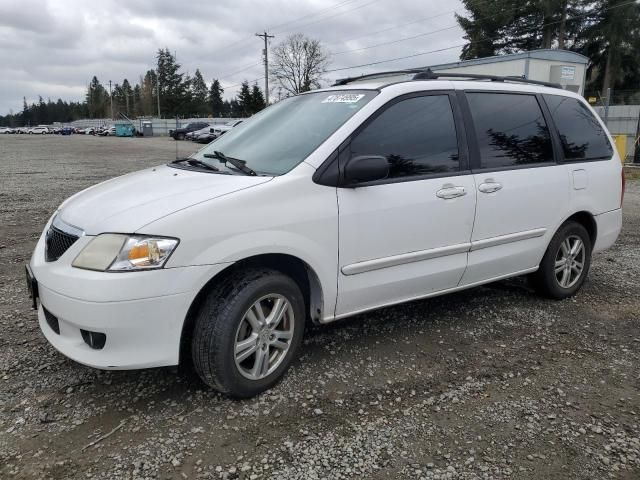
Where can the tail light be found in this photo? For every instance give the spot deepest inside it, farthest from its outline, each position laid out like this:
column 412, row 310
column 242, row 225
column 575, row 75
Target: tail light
column 624, row 182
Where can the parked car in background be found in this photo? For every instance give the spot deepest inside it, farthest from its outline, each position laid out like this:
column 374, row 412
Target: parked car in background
column 181, row 133
column 67, row 130
column 221, row 129
column 108, row 131
column 39, row 130
column 206, row 137
column 23, row 130
column 5, row 130
column 196, row 133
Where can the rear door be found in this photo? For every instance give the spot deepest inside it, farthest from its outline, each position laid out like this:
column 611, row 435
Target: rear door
column 522, row 192
column 407, row 235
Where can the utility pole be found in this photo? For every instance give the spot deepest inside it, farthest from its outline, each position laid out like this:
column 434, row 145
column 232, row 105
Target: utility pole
column 266, row 38
column 111, row 99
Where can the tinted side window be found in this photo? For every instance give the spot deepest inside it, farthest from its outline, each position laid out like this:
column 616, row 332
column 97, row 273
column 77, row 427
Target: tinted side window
column 580, row 132
column 416, row 135
column 510, row 129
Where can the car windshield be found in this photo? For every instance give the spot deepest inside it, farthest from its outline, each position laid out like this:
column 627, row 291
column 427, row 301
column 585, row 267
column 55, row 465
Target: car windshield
column 278, row 138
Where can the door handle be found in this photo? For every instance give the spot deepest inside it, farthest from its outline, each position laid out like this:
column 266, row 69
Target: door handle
column 489, row 186
column 450, row 191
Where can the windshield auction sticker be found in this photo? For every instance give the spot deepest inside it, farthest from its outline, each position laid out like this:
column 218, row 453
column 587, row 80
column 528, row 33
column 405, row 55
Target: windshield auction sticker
column 343, row 98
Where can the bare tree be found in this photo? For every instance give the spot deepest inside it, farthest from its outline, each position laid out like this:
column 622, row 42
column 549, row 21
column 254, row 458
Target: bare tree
column 298, row 63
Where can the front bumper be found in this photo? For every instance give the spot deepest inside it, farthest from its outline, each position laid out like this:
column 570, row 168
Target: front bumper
column 139, row 333
column 140, row 313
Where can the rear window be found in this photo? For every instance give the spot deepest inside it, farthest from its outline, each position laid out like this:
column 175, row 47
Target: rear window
column 582, row 136
column 510, row 130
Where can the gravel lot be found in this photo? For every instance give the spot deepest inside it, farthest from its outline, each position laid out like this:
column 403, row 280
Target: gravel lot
column 493, row 382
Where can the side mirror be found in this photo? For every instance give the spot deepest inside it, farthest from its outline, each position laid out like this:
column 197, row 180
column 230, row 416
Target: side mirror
column 365, row 168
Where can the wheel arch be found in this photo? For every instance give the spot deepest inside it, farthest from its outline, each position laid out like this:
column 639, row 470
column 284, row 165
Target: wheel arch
column 588, row 221
column 299, row 270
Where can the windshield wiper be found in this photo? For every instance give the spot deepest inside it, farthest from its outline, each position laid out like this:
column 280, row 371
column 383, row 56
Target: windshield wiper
column 239, row 164
column 196, row 163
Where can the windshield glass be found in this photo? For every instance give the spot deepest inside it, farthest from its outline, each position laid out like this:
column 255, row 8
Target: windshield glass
column 278, row 138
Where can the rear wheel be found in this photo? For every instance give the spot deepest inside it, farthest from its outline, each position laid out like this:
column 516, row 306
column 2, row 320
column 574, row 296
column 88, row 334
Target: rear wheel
column 566, row 263
column 180, row 136
column 248, row 331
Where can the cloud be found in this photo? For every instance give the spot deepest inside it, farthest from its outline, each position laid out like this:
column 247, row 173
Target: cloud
column 53, row 48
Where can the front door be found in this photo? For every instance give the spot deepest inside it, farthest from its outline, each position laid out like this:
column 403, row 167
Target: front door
column 408, row 235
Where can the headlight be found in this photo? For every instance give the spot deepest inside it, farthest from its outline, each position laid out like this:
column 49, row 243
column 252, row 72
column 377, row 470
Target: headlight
column 112, row 252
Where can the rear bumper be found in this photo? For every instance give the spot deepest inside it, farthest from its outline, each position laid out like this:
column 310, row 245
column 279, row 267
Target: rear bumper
column 609, row 225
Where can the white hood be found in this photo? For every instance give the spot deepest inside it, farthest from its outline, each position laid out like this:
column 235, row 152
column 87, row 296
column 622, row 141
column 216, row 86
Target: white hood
column 127, row 203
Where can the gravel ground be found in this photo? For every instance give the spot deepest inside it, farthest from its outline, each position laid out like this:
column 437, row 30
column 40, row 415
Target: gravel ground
column 493, row 382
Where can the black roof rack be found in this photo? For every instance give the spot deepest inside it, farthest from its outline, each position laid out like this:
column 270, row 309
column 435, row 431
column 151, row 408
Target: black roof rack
column 428, row 74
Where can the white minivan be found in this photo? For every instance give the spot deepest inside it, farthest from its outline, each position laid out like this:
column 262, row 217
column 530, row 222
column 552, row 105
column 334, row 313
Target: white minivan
column 325, row 205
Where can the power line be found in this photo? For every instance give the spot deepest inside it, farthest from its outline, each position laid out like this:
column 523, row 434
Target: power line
column 537, row 27
column 235, row 45
column 397, row 41
column 240, row 84
column 509, row 10
column 227, row 75
column 318, row 12
column 395, row 27
column 335, row 15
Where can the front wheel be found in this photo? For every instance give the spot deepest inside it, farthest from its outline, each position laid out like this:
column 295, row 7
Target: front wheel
column 247, row 332
column 566, row 262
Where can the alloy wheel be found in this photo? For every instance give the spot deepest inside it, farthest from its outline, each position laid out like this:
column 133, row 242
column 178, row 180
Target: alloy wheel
column 264, row 336
column 569, row 262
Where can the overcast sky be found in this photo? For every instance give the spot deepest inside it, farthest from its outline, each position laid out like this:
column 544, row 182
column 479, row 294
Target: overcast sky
column 53, row 48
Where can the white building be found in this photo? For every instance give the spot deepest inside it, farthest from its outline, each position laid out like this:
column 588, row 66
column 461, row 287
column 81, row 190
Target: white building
column 557, row 66
column 567, row 68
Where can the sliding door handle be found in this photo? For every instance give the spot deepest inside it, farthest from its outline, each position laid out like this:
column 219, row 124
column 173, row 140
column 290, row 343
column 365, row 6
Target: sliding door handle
column 449, row 191
column 489, row 186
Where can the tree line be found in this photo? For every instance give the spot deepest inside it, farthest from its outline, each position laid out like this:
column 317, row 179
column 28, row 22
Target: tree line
column 605, row 31
column 180, row 95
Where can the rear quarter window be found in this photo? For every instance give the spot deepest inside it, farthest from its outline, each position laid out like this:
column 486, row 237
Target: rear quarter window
column 581, row 134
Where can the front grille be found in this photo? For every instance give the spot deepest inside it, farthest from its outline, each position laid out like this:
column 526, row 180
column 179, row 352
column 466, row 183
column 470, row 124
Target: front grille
column 56, row 243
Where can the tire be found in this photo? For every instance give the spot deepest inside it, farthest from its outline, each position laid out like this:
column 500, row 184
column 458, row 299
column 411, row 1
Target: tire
column 180, row 136
column 558, row 285
column 226, row 320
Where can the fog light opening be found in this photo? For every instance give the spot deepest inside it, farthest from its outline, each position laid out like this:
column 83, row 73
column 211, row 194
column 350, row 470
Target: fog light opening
column 52, row 320
column 95, row 340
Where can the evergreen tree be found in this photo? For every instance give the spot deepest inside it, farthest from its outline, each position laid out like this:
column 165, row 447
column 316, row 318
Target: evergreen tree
column 611, row 40
column 137, row 101
column 97, row 98
column 244, row 101
column 257, row 99
column 127, row 92
column 199, row 94
column 216, row 105
column 507, row 26
column 150, row 93
column 174, row 89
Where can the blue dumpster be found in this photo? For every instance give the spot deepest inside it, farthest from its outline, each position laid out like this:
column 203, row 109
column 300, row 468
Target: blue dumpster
column 124, row 129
